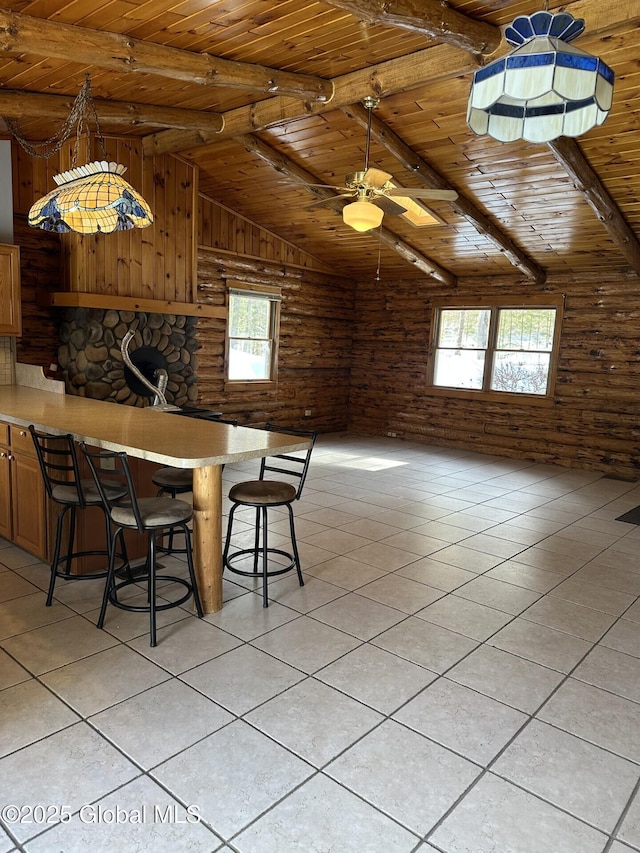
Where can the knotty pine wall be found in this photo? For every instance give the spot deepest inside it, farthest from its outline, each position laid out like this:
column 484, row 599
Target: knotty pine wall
column 594, row 421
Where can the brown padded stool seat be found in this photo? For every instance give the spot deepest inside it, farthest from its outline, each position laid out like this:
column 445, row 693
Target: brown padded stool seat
column 262, row 492
column 174, row 479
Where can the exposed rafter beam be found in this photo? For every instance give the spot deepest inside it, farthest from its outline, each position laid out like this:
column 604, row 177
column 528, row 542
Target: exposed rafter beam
column 435, row 63
column 570, row 156
column 463, row 206
column 40, row 37
column 430, row 18
column 431, row 64
column 18, row 104
column 292, row 171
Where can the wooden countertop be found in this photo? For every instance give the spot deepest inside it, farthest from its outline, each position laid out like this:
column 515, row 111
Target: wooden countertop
column 147, row 434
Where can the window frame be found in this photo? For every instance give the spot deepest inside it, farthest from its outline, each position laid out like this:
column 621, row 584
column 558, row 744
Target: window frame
column 274, row 296
column 495, row 305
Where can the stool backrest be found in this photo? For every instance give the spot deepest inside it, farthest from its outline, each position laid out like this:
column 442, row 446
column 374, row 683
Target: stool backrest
column 112, row 475
column 58, row 462
column 286, row 463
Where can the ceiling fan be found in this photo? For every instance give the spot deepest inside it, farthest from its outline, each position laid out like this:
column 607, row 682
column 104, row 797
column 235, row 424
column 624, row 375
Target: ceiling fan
column 374, row 193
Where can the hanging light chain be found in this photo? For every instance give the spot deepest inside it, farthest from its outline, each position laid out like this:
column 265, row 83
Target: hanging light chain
column 82, row 110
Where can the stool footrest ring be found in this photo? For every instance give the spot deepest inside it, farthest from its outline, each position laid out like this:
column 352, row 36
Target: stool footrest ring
column 259, row 573
column 145, row 608
column 102, row 573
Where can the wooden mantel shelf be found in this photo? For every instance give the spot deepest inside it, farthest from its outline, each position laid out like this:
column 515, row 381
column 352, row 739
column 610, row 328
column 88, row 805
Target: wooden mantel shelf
column 131, row 303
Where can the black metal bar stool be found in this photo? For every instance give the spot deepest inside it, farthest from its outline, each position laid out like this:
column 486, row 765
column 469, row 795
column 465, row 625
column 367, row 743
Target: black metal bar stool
column 263, row 494
column 61, row 474
column 146, row 515
column 177, row 481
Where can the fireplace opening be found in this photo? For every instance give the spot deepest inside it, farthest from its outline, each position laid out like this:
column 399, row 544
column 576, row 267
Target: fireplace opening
column 147, row 360
column 92, row 364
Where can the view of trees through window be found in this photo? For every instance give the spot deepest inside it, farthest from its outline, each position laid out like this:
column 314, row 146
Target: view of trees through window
column 497, row 349
column 250, row 336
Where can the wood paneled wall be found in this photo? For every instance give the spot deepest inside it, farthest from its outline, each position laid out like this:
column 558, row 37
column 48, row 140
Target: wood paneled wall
column 40, row 275
column 157, row 262
column 594, row 421
column 222, row 228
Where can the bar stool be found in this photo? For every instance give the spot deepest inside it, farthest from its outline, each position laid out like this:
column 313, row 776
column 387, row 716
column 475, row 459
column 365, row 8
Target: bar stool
column 60, row 469
column 177, row 481
column 146, row 515
column 263, row 494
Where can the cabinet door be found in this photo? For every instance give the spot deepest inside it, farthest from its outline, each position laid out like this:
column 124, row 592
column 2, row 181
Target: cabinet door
column 29, row 517
column 10, row 308
column 5, row 493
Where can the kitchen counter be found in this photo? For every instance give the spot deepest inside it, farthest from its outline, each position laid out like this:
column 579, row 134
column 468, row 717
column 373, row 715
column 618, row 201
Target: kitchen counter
column 158, row 437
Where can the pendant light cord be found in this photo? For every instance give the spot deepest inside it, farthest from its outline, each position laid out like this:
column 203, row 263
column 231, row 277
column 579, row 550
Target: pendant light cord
column 82, row 112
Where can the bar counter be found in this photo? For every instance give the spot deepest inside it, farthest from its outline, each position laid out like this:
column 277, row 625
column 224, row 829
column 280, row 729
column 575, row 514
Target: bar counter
column 163, row 438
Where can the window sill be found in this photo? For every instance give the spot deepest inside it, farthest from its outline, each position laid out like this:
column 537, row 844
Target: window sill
column 250, row 385
column 507, row 397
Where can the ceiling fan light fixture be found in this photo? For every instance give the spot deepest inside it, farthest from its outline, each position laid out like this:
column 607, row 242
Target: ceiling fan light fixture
column 544, row 88
column 362, row 215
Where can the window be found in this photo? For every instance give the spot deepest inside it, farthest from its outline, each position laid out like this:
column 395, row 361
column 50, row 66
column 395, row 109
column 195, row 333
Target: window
column 252, row 335
column 496, row 349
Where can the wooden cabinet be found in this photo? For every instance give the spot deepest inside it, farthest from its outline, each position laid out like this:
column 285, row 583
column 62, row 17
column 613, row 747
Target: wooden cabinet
column 23, row 504
column 10, row 299
column 6, row 527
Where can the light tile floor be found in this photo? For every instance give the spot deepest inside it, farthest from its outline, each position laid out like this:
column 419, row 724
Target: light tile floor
column 460, row 673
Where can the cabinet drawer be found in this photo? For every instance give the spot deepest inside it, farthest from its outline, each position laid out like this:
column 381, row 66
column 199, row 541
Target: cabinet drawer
column 4, row 433
column 21, row 441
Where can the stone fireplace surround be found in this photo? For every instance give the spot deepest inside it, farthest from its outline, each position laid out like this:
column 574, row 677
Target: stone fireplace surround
column 91, row 361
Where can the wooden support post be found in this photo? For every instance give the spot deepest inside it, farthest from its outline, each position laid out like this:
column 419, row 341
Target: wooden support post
column 207, row 549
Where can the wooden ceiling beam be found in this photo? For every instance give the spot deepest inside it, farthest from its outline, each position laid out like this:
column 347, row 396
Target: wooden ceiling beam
column 281, row 163
column 406, row 72
column 463, row 206
column 430, row 18
column 571, row 157
column 41, row 37
column 17, row 104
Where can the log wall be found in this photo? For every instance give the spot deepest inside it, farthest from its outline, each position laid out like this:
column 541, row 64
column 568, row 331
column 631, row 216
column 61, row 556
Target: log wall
column 594, row 421
column 316, row 323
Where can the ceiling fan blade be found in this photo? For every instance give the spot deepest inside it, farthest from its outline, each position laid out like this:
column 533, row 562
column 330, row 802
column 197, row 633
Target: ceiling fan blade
column 376, row 178
column 326, row 187
column 389, row 206
column 327, row 202
column 435, row 195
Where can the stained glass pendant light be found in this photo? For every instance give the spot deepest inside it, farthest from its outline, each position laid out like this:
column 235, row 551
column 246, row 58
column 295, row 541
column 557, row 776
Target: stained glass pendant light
column 89, row 199
column 544, row 88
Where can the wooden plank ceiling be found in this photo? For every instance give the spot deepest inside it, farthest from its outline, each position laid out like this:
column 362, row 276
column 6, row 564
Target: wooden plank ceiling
column 522, row 207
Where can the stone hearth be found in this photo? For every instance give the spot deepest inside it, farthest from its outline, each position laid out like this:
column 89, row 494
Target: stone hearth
column 91, row 360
